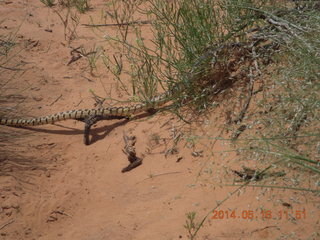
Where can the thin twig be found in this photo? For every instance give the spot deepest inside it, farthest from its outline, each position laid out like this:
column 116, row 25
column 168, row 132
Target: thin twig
column 261, row 229
column 79, row 103
column 55, row 100
column 62, row 213
column 6, row 224
column 160, row 174
column 247, row 103
column 117, row 24
column 280, row 187
column 12, row 69
column 217, row 205
column 74, row 59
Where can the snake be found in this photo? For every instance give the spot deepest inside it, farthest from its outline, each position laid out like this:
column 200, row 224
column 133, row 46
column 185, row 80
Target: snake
column 91, row 116
column 80, row 114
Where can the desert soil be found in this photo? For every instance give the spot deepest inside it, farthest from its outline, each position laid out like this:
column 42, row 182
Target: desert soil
column 79, row 192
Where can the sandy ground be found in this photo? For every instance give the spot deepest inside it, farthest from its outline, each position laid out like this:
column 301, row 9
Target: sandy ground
column 81, row 192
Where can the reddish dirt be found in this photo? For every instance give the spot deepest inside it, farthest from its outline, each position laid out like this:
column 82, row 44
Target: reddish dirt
column 82, row 193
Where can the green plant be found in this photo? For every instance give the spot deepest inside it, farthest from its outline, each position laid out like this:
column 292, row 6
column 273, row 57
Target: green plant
column 70, row 20
column 287, row 126
column 190, row 225
column 81, row 5
column 48, row 3
column 274, row 44
column 185, row 35
column 7, row 43
column 92, row 56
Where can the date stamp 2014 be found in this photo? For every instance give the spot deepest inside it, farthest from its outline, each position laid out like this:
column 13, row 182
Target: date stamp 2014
column 259, row 214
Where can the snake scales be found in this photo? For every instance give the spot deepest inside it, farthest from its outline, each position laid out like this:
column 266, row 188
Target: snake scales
column 108, row 112
column 91, row 116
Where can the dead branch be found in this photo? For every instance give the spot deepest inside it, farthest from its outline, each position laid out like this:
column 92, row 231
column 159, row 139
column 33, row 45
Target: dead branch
column 130, row 151
column 118, row 24
column 6, row 224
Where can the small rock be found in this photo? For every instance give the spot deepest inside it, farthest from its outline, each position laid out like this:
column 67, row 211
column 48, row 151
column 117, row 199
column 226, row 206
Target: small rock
column 48, row 174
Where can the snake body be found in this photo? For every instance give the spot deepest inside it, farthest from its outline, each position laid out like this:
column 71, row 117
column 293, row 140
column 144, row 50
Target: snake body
column 81, row 114
column 126, row 111
column 218, row 79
